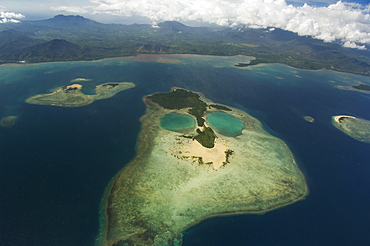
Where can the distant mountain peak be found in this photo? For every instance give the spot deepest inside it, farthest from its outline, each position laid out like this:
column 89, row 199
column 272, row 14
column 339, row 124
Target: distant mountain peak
column 78, row 19
column 173, row 26
column 172, row 23
column 72, row 21
column 70, row 17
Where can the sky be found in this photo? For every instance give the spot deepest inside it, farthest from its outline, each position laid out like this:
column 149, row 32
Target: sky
column 330, row 20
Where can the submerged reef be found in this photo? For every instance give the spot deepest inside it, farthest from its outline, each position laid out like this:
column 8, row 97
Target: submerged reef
column 8, row 121
column 309, row 119
column 175, row 182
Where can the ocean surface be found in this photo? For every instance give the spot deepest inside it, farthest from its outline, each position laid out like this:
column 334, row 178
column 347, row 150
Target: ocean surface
column 56, row 162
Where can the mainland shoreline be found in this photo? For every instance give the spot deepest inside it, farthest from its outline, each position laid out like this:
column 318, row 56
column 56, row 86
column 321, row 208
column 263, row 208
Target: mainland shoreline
column 141, row 57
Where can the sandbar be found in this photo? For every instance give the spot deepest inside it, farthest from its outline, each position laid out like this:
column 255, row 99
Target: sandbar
column 174, row 182
column 356, row 128
column 80, row 80
column 309, row 119
column 362, row 88
column 71, row 95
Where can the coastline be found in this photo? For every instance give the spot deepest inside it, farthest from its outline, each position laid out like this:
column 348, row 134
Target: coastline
column 356, row 128
column 143, row 57
column 114, row 126
column 72, row 96
column 351, row 88
column 103, row 214
column 103, row 228
column 337, row 117
column 130, row 185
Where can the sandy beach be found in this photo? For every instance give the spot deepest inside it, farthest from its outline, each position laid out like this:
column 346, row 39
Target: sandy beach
column 174, row 182
column 337, row 118
column 356, row 128
column 71, row 95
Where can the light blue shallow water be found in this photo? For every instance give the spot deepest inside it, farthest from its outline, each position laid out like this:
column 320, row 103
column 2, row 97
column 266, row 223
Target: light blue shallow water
column 224, row 123
column 56, row 162
column 177, row 122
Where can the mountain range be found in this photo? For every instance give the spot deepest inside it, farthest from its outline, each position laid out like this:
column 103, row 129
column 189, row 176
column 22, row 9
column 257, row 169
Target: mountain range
column 70, row 38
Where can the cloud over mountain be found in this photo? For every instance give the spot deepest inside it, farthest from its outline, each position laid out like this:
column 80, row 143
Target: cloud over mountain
column 6, row 16
column 347, row 22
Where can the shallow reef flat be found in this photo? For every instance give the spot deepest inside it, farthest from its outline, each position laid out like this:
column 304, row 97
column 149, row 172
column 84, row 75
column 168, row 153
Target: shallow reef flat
column 215, row 61
column 8, row 121
column 356, row 128
column 174, row 182
column 359, row 87
column 309, row 119
column 71, row 95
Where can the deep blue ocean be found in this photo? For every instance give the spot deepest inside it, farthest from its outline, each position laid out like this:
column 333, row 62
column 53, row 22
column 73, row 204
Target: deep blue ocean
column 56, row 162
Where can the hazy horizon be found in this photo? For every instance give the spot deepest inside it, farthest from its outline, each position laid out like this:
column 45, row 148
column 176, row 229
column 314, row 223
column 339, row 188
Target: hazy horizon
column 328, row 20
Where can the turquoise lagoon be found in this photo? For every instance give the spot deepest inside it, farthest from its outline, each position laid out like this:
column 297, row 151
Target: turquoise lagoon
column 55, row 163
column 225, row 124
column 175, row 122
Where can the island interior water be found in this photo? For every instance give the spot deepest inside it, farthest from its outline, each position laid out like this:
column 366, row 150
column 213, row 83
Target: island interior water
column 56, row 162
column 225, row 123
column 88, row 88
column 175, row 122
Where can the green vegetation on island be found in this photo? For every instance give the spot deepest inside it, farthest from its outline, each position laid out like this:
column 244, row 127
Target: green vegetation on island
column 180, row 98
column 228, row 153
column 68, row 38
column 206, row 137
column 71, row 95
column 362, row 87
column 174, row 182
column 356, row 128
column 220, row 107
column 252, row 63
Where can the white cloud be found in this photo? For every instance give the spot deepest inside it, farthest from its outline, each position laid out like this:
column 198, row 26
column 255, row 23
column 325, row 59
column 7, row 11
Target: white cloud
column 70, row 9
column 349, row 44
column 6, row 16
column 347, row 22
